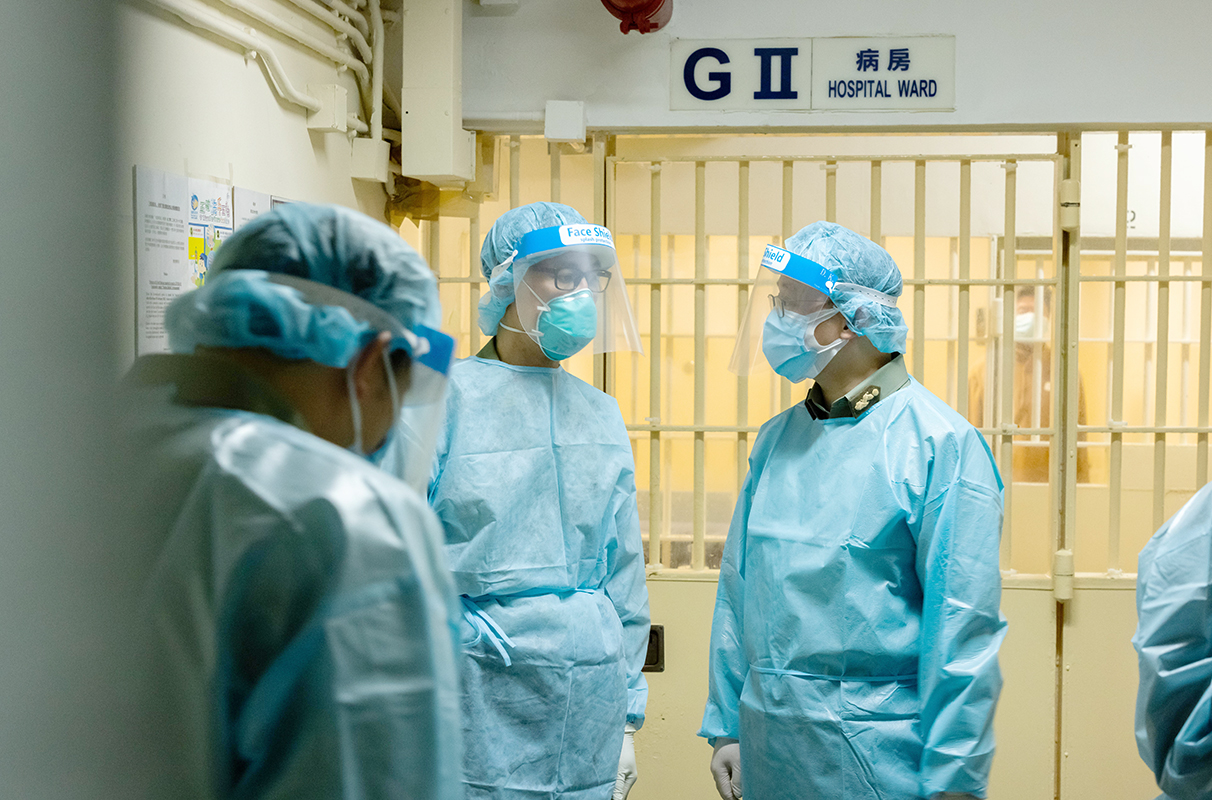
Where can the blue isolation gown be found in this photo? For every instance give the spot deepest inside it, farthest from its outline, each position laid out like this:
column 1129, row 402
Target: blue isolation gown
column 535, row 486
column 857, row 623
column 301, row 617
column 1174, row 642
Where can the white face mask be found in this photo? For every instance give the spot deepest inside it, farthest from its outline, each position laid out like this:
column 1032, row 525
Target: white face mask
column 1024, row 325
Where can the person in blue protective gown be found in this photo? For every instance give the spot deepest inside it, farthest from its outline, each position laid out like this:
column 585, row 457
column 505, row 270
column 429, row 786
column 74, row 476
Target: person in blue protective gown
column 856, row 629
column 1174, row 643
column 300, row 615
column 534, row 484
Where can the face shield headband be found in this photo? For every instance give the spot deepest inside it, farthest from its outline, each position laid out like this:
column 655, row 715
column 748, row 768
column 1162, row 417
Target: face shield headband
column 431, row 352
column 543, row 243
column 812, row 274
column 798, row 268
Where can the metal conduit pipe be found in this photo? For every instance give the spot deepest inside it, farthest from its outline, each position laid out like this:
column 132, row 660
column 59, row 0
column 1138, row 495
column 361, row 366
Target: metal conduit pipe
column 357, row 34
column 376, row 71
column 252, row 44
column 356, row 123
column 355, row 16
column 393, row 102
column 336, row 23
column 312, row 43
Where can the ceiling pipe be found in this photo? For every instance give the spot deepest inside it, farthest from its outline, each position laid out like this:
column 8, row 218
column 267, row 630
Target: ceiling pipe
column 376, row 71
column 354, row 15
column 336, row 23
column 644, row 16
column 314, row 44
column 253, row 46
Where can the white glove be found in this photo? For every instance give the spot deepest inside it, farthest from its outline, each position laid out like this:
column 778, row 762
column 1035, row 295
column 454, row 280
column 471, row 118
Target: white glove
column 627, row 772
column 726, row 768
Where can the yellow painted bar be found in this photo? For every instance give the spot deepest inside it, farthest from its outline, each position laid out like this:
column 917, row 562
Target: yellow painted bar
column 656, row 524
column 698, row 554
column 1119, row 267
column 919, row 270
column 1162, row 348
column 1006, row 418
column 742, row 304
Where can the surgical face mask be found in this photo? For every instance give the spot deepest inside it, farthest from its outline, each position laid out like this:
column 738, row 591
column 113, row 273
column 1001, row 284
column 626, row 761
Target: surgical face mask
column 789, row 344
column 1024, row 325
column 565, row 324
column 377, row 455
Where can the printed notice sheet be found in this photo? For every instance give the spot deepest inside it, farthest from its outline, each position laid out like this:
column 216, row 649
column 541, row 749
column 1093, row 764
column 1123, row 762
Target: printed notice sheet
column 180, row 223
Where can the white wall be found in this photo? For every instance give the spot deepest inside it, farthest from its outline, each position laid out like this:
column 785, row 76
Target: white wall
column 189, row 103
column 64, row 721
column 1033, row 64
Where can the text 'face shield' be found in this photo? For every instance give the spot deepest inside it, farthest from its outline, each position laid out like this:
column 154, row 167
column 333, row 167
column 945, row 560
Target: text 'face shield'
column 569, row 291
column 790, row 292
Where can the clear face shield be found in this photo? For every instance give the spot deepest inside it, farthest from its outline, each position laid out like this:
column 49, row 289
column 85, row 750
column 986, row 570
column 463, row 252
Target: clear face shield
column 417, row 406
column 789, row 299
column 568, row 292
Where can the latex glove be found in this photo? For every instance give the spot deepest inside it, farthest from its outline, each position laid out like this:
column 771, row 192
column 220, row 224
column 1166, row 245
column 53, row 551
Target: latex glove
column 627, row 773
column 726, row 768
column 953, row 796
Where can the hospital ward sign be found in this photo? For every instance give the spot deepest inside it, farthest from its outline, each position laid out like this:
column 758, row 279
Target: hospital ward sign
column 910, row 73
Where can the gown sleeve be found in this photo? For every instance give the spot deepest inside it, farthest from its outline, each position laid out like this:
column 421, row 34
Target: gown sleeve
column 336, row 653
column 727, row 663
column 1174, row 643
column 962, row 627
column 628, row 592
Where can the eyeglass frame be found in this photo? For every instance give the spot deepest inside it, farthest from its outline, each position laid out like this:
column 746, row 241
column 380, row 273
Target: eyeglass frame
column 588, row 276
column 779, row 305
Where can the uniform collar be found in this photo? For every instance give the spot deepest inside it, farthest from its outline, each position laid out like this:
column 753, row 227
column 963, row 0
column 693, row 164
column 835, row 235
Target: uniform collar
column 879, row 386
column 212, row 382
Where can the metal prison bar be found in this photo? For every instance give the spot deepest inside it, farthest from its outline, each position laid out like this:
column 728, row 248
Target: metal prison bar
column 1066, row 285
column 1006, row 282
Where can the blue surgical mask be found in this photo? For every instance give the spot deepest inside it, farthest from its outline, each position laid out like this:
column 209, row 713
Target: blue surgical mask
column 565, row 324
column 789, row 344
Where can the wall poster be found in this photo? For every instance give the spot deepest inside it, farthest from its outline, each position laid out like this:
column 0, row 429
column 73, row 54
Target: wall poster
column 180, row 223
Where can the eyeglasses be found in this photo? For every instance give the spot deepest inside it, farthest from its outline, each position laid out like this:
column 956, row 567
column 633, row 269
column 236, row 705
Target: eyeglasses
column 778, row 304
column 568, row 278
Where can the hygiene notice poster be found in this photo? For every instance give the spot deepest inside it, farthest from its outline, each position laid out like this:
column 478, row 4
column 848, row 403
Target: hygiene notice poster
column 210, row 222
column 180, row 223
column 162, row 251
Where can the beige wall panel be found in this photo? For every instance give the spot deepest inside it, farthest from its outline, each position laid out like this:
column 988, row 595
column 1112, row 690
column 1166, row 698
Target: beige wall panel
column 672, row 761
column 1026, row 717
column 1098, row 754
column 1031, row 539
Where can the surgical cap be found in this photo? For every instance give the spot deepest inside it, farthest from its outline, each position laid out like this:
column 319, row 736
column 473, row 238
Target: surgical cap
column 857, row 260
column 499, row 245
column 240, row 306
